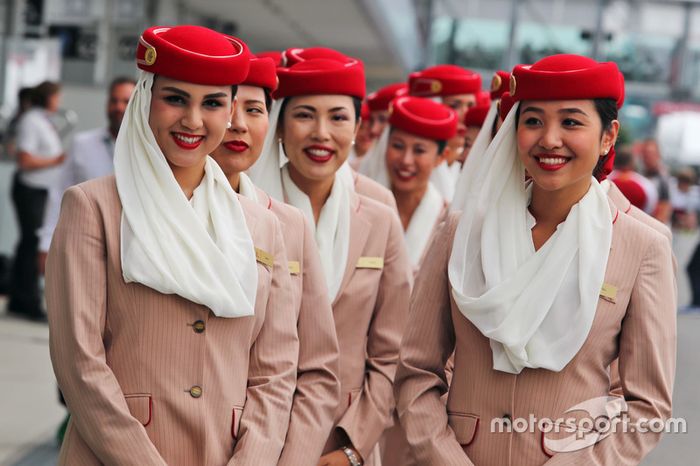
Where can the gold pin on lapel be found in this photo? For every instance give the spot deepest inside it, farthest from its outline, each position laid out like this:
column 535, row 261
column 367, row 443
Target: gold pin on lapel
column 608, row 292
column 370, row 263
column 294, row 267
column 264, row 257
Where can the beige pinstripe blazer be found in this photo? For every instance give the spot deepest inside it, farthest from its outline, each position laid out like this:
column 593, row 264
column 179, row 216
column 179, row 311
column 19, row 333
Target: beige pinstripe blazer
column 370, row 313
column 155, row 379
column 638, row 327
column 368, row 187
column 318, row 385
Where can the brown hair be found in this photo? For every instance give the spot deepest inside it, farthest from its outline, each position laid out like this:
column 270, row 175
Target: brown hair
column 43, row 92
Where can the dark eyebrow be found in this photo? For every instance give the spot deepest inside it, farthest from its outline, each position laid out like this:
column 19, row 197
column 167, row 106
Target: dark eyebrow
column 573, row 110
column 306, row 107
column 337, row 109
column 533, row 109
column 216, row 95
column 182, row 93
column 177, row 91
column 254, row 101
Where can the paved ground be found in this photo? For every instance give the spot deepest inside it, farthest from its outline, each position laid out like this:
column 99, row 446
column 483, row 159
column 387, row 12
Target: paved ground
column 30, row 412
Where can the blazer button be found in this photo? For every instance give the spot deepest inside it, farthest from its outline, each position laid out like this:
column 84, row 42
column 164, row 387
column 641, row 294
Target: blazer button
column 199, row 326
column 196, row 391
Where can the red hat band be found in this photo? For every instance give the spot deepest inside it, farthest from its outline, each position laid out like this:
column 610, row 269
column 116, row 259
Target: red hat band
column 194, row 54
column 380, row 100
column 561, row 77
column 263, row 73
column 423, row 117
column 322, row 76
column 274, row 55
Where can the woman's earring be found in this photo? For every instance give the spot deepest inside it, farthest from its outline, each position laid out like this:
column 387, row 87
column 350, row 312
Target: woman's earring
column 228, row 125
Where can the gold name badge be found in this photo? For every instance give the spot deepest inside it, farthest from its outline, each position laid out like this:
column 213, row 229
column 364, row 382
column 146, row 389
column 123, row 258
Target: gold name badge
column 608, row 292
column 370, row 263
column 294, row 267
column 264, row 258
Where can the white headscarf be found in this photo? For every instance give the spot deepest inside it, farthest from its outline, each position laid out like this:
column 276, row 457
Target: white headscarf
column 476, row 156
column 373, row 164
column 332, row 232
column 200, row 248
column 536, row 307
column 423, row 220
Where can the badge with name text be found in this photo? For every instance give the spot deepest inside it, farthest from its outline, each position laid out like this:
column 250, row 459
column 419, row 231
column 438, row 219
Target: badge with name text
column 370, row 263
column 264, row 257
column 608, row 292
column 294, row 267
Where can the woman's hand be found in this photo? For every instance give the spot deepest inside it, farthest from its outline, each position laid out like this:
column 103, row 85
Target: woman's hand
column 336, row 458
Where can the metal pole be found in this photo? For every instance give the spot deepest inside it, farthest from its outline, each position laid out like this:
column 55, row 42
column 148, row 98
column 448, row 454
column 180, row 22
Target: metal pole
column 596, row 49
column 682, row 54
column 510, row 59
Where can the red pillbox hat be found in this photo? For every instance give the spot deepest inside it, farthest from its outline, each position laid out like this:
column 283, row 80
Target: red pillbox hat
column 380, row 100
column 194, row 54
column 364, row 111
column 476, row 115
column 322, row 76
column 423, row 117
column 291, row 57
column 273, row 55
column 442, row 80
column 263, row 73
column 499, row 84
column 504, row 105
column 561, row 77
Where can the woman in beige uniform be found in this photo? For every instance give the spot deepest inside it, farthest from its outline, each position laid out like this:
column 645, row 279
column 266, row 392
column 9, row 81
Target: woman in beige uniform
column 360, row 241
column 171, row 343
column 543, row 284
column 318, row 387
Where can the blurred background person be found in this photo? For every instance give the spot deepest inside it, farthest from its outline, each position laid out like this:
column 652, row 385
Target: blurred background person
column 363, row 140
column 39, row 156
column 654, row 170
column 640, row 191
column 89, row 156
column 684, row 197
column 24, row 103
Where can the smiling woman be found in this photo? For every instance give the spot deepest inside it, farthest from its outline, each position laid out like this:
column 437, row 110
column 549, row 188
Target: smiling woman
column 168, row 295
column 359, row 240
column 544, row 284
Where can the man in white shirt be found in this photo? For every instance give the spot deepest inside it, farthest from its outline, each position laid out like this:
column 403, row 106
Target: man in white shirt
column 90, row 156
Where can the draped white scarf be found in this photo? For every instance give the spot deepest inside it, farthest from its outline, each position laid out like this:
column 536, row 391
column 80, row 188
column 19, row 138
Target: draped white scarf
column 332, row 232
column 444, row 177
column 536, row 308
column 422, row 223
column 476, row 156
column 200, row 248
column 246, row 188
column 373, row 164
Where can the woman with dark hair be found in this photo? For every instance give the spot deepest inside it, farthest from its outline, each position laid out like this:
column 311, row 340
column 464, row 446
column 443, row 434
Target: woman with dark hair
column 318, row 386
column 39, row 155
column 173, row 337
column 312, row 125
column 542, row 285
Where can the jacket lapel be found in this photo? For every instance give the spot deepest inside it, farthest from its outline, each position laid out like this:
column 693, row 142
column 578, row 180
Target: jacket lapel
column 359, row 232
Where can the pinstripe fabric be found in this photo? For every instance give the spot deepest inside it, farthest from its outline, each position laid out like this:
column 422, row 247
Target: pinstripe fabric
column 370, row 313
column 639, row 328
column 367, row 187
column 126, row 356
column 622, row 203
column 317, row 393
column 395, row 449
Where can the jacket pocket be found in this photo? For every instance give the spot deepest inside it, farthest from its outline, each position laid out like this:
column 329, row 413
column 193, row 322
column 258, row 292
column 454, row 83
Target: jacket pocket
column 465, row 427
column 236, row 415
column 140, row 406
